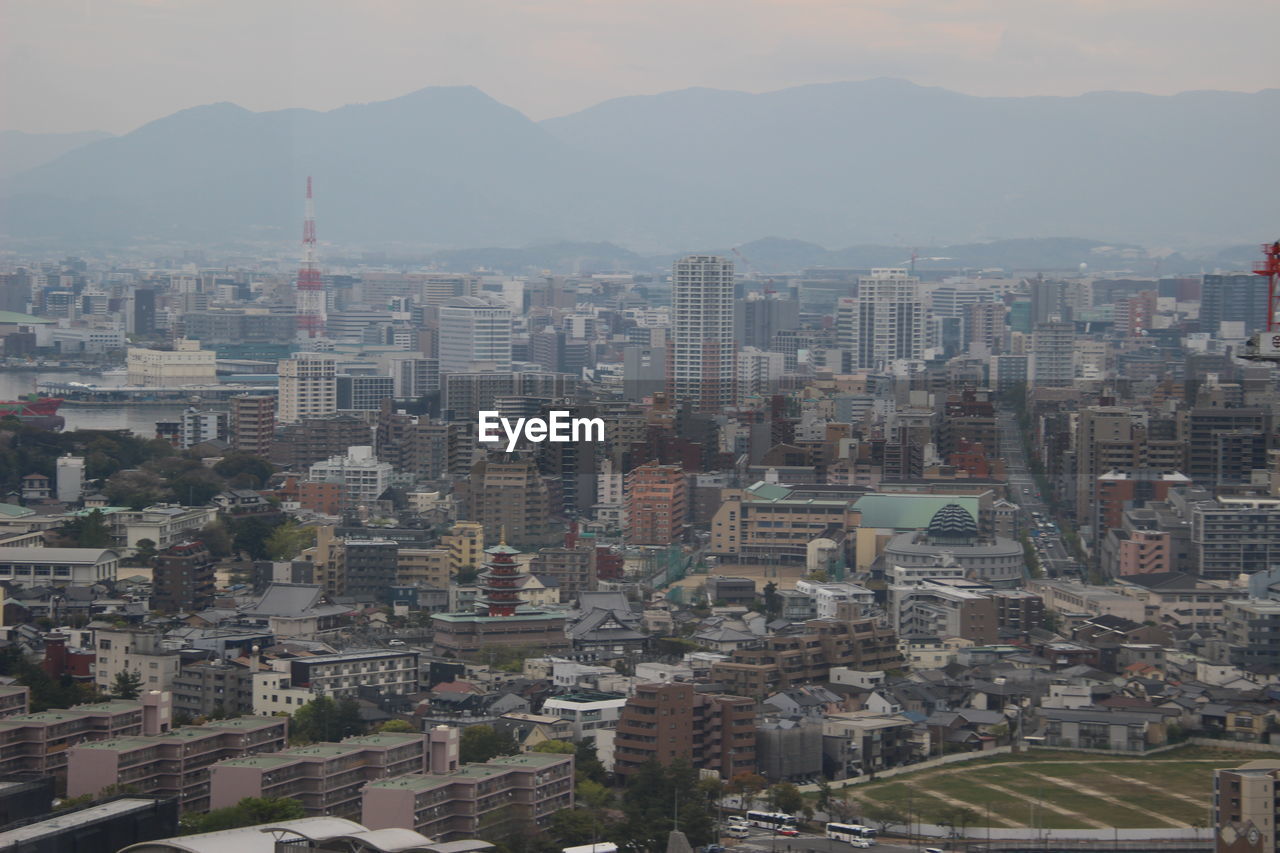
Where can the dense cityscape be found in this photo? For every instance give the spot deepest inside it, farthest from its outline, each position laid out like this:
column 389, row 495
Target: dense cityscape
column 745, row 426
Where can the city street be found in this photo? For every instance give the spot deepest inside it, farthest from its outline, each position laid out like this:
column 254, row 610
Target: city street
column 1055, row 558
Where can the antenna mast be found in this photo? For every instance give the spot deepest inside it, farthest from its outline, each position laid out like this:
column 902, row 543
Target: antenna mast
column 310, row 301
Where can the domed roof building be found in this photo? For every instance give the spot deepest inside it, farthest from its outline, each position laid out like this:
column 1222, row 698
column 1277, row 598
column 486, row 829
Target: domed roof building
column 953, row 538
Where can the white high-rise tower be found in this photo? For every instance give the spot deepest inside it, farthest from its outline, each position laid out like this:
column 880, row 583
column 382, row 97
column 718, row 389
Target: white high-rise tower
column 885, row 322
column 700, row 367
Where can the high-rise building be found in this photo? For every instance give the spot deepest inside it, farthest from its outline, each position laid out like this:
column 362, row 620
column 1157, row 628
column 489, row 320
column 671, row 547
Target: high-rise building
column 183, row 579
column 308, row 387
column 1225, row 445
column 1233, row 298
column 760, row 316
column 1052, row 351
column 657, row 499
column 70, row 480
column 475, row 334
column 666, row 722
column 885, row 322
column 362, row 477
column 700, row 366
column 363, row 393
column 197, row 426
column 252, row 423
column 511, row 496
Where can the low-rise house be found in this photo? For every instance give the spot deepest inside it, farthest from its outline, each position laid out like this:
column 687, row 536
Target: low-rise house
column 1101, row 729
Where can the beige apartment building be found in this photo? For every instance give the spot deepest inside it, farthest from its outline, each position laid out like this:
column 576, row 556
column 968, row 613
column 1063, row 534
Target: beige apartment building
column 496, row 797
column 765, row 523
column 173, row 764
column 39, row 743
column 325, row 778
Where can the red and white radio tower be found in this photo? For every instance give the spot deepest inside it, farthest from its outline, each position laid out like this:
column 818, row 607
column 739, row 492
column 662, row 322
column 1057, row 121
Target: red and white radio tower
column 310, row 294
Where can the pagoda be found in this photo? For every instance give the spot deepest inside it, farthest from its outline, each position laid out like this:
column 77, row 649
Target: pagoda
column 500, row 618
column 500, row 581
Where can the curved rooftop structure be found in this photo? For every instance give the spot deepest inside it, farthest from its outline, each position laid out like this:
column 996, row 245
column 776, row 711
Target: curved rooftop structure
column 953, row 523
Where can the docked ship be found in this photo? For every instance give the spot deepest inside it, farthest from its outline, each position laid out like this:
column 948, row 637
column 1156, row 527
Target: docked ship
column 34, row 411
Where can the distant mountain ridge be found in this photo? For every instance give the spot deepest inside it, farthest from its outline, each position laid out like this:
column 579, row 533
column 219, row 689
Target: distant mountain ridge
column 846, row 164
column 20, row 151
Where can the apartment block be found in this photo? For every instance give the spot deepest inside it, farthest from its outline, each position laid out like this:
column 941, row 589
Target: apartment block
column 252, row 423
column 665, row 722
column 1246, row 805
column 769, row 523
column 15, row 699
column 1234, row 536
column 339, row 675
column 324, row 778
column 183, row 578
column 497, row 798
column 138, row 651
column 38, row 743
column 590, row 712
column 775, row 663
column 174, row 764
column 657, row 498
column 1252, row 631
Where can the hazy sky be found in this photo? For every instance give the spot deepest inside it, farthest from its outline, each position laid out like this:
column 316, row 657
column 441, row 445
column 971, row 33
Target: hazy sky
column 115, row 64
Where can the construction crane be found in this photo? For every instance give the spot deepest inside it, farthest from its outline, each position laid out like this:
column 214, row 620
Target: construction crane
column 1265, row 346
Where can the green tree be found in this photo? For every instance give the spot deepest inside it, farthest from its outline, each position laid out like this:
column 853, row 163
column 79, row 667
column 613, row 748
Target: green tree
column 127, row 685
column 238, row 463
column 251, row 536
column 289, row 540
column 137, row 489
column 88, row 531
column 397, row 726
column 593, row 794
column 557, row 747
column 786, row 797
column 653, row 795
column 248, row 812
column 215, row 537
column 146, row 551
column 324, row 719
column 746, row 785
column 586, row 764
column 772, row 600
column 824, row 795
column 572, row 827
column 480, row 743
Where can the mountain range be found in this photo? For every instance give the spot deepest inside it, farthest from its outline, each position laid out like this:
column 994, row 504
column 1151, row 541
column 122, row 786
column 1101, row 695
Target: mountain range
column 847, row 164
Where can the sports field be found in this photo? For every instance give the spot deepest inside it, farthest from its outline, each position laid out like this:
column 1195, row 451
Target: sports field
column 1064, row 790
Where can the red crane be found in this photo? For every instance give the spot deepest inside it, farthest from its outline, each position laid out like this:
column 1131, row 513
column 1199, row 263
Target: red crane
column 1265, row 346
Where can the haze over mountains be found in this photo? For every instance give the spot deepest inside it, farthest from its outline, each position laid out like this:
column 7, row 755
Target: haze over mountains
column 880, row 161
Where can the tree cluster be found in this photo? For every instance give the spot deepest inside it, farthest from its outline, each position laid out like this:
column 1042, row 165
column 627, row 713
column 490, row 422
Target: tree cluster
column 248, row 812
column 46, row 692
column 325, row 719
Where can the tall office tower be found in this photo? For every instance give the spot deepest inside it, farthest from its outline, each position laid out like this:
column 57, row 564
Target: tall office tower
column 1052, row 351
column 1104, row 441
column 884, row 323
column 1225, row 446
column 310, row 301
column 700, row 368
column 760, row 316
column 510, row 496
column 253, row 421
column 1049, row 299
column 308, row 387
column 1237, row 297
column 984, row 326
column 475, row 335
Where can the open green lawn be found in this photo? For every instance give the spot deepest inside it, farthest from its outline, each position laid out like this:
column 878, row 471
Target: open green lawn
column 1057, row 789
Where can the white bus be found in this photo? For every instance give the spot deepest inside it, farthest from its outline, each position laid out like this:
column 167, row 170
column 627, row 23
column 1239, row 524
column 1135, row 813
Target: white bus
column 771, row 820
column 850, row 832
column 601, row 847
